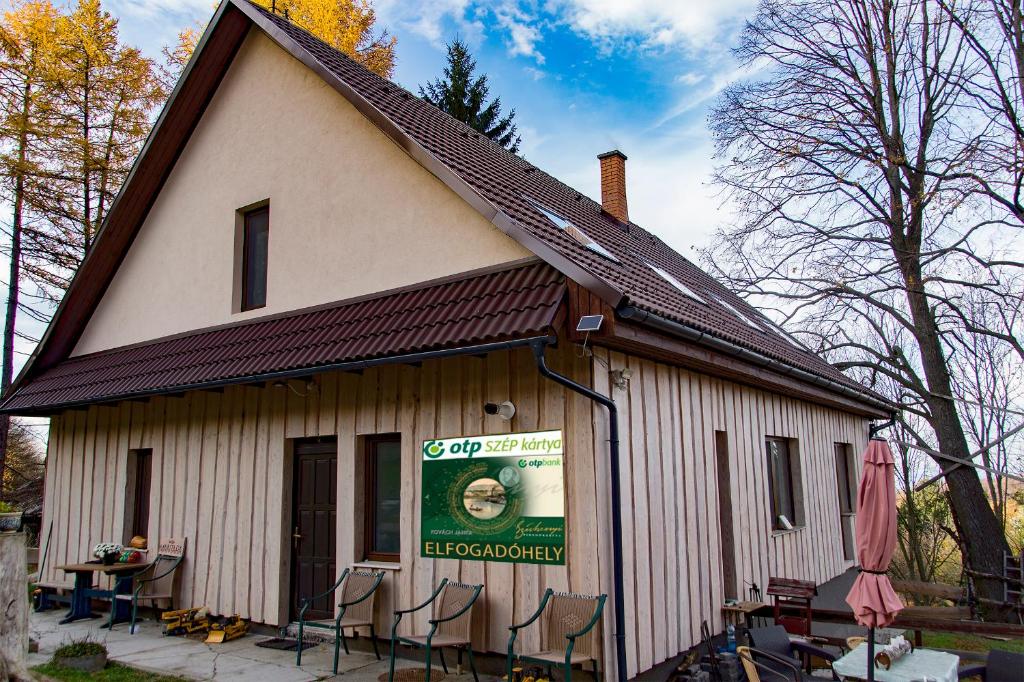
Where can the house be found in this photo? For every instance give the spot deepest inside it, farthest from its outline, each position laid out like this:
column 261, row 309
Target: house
column 314, row 287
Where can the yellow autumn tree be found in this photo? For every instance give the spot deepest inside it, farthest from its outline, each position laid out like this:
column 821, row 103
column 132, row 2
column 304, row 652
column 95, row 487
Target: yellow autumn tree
column 108, row 93
column 176, row 58
column 347, row 25
column 28, row 38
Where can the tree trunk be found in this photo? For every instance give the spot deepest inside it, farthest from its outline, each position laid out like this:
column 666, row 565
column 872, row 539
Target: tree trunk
column 976, row 523
column 13, row 281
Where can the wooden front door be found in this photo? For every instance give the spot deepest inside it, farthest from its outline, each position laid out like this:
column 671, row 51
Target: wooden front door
column 314, row 516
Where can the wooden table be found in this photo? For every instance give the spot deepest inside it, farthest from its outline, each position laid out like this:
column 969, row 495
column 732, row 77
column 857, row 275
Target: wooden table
column 83, row 592
column 741, row 611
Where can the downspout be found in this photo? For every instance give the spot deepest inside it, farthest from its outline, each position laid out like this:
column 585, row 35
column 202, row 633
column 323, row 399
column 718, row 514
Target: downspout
column 538, row 346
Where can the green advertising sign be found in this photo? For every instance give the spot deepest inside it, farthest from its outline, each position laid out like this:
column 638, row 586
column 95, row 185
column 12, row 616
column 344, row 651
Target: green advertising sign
column 494, row 498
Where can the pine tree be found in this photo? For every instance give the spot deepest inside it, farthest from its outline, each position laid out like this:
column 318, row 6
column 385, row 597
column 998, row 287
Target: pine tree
column 346, row 25
column 463, row 98
column 27, row 42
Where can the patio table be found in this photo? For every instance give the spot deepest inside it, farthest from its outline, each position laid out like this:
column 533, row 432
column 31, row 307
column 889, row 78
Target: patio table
column 919, row 665
column 82, row 593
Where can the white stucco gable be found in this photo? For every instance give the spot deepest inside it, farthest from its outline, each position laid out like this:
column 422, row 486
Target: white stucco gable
column 351, row 213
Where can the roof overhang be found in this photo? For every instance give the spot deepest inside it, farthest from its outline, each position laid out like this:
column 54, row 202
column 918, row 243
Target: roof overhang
column 490, row 311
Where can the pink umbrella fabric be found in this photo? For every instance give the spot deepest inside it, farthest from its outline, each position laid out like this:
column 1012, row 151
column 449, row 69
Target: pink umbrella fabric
column 872, row 598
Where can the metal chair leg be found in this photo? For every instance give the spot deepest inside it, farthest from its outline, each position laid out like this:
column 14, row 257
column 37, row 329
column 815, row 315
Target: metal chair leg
column 391, row 667
column 373, row 638
column 344, row 641
column 472, row 663
column 298, row 645
column 444, row 666
column 427, row 674
column 338, row 634
column 135, row 609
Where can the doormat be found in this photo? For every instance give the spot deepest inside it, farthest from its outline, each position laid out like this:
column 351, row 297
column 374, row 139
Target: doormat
column 282, row 644
column 414, row 675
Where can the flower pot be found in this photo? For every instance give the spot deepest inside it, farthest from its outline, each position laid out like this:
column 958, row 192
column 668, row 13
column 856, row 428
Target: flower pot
column 110, row 558
column 89, row 664
column 10, row 522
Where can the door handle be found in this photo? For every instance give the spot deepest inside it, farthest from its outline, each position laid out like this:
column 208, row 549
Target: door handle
column 296, row 536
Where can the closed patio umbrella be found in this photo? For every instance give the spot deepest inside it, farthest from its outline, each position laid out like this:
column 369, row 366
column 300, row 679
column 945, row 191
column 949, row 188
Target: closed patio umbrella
column 872, row 598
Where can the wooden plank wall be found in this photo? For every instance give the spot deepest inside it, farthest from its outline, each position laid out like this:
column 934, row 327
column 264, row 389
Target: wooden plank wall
column 221, row 463
column 221, row 467
column 672, row 543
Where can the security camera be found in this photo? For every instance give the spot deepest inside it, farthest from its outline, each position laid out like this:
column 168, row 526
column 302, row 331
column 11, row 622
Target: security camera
column 505, row 410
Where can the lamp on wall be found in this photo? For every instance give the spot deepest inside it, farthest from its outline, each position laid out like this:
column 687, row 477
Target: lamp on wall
column 505, row 410
column 620, row 377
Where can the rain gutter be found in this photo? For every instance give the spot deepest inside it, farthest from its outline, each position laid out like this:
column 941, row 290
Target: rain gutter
column 753, row 357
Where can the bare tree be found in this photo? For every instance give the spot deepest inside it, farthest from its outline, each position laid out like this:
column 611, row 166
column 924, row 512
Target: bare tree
column 849, row 156
column 988, row 380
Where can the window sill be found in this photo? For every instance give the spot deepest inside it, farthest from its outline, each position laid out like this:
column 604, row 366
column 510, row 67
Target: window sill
column 382, row 565
column 784, row 531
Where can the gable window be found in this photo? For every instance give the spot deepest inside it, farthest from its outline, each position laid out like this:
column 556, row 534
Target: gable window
column 383, row 476
column 255, row 239
column 784, row 483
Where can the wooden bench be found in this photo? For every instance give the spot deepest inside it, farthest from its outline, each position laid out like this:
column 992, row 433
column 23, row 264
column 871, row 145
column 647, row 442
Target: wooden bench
column 48, row 593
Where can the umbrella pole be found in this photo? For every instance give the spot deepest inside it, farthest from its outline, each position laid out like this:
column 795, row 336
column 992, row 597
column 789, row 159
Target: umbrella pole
column 871, row 655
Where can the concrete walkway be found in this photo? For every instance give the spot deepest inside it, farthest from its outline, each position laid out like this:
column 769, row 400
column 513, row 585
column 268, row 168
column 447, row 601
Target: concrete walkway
column 240, row 659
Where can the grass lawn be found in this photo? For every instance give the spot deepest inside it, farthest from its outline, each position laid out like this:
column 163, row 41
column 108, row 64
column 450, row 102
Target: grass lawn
column 966, row 642
column 114, row 672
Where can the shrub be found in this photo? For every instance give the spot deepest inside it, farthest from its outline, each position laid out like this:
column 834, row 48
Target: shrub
column 6, row 508
column 80, row 648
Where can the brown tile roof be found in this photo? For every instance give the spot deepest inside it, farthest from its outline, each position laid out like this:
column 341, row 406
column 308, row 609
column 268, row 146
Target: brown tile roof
column 499, row 306
column 508, row 181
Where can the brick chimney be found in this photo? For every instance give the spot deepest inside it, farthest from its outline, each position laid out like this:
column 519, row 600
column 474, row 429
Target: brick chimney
column 613, row 185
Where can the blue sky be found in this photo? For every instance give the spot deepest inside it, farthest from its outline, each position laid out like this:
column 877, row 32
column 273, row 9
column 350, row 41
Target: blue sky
column 584, row 76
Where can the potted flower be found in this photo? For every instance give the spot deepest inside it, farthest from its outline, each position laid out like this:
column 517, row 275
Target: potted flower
column 83, row 654
column 107, row 552
column 10, row 519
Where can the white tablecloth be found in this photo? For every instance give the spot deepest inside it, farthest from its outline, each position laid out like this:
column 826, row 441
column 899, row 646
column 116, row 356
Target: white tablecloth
column 917, row 666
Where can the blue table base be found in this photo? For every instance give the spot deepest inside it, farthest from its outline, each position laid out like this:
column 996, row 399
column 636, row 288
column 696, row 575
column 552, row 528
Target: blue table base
column 83, row 594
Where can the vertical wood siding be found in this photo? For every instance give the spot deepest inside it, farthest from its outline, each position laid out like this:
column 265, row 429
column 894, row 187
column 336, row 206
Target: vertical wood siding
column 673, row 541
column 221, row 467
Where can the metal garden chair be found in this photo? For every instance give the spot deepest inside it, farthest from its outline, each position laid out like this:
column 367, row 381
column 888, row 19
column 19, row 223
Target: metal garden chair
column 567, row 638
column 1000, row 666
column 158, row 586
column 356, row 609
column 449, row 628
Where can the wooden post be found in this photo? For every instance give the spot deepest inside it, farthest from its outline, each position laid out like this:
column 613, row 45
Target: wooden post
column 14, row 604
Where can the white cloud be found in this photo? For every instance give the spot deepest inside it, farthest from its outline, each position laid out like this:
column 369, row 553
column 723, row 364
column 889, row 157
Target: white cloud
column 725, row 73
column 154, row 8
column 663, row 23
column 429, row 19
column 523, row 31
column 690, row 78
column 534, row 73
